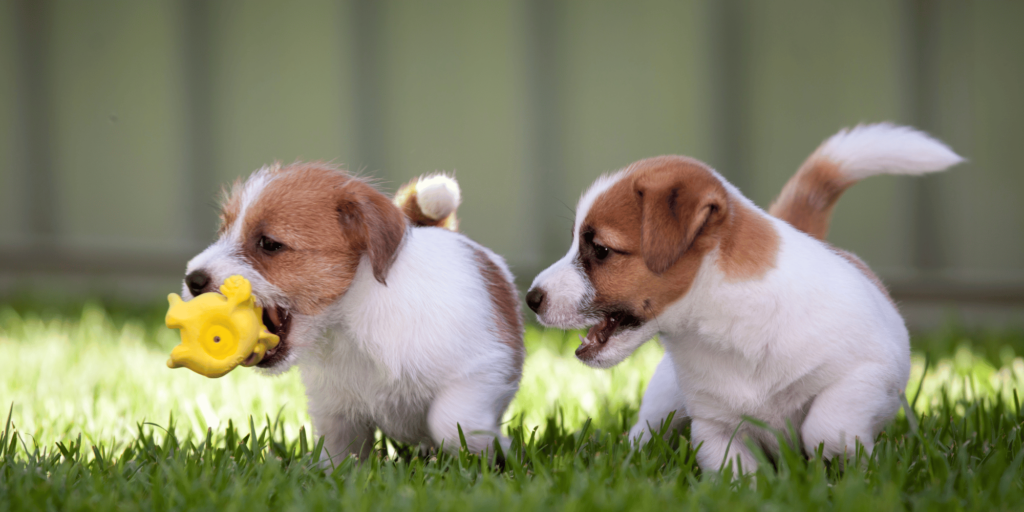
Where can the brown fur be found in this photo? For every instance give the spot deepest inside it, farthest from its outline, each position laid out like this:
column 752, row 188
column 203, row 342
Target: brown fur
column 808, row 198
column 807, row 201
column 405, row 199
column 661, row 220
column 751, row 247
column 508, row 322
column 326, row 220
column 677, row 200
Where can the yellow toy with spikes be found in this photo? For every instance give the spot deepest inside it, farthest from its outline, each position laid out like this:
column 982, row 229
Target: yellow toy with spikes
column 219, row 331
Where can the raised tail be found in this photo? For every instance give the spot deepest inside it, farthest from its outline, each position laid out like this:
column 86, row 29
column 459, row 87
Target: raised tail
column 849, row 156
column 430, row 201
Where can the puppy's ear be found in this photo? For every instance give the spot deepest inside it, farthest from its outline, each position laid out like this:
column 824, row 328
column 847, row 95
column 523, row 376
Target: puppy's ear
column 380, row 224
column 675, row 208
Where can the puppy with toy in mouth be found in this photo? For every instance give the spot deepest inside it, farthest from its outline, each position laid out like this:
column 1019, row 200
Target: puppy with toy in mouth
column 759, row 316
column 395, row 320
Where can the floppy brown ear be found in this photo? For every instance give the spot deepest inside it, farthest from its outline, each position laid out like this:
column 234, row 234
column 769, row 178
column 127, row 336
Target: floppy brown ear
column 382, row 227
column 674, row 211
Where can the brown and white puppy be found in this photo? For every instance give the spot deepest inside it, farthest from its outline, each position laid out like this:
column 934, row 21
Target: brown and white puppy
column 408, row 328
column 759, row 317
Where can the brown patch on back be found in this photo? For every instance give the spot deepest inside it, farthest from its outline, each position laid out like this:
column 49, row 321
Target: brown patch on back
column 327, row 221
column 750, row 246
column 864, row 269
column 808, row 198
column 505, row 300
column 406, row 199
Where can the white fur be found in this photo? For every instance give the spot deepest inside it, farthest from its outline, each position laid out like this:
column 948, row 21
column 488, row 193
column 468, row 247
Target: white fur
column 415, row 358
column 600, row 186
column 223, row 258
column 867, row 150
column 566, row 285
column 813, row 342
column 438, row 196
column 663, row 397
column 251, row 191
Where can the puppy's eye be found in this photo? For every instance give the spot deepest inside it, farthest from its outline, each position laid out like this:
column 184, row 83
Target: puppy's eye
column 601, row 252
column 269, row 244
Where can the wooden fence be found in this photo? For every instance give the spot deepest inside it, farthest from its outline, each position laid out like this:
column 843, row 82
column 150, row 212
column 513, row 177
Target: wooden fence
column 120, row 119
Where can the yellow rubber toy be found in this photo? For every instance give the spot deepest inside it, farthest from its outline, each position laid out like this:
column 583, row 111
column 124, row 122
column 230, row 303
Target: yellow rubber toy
column 219, row 331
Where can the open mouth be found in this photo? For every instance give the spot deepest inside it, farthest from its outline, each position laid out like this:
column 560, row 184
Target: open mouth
column 278, row 321
column 600, row 333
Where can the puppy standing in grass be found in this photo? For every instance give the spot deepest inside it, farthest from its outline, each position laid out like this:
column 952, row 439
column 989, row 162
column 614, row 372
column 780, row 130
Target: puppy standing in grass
column 758, row 315
column 395, row 320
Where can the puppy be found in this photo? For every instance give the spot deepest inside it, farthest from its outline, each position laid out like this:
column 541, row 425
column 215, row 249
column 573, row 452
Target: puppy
column 403, row 326
column 758, row 315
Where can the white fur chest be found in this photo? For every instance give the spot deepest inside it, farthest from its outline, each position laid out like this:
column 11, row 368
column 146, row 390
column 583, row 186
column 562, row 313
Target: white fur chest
column 346, row 381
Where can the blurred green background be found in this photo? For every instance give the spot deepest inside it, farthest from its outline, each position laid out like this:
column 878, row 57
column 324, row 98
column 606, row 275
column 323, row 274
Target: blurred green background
column 120, row 120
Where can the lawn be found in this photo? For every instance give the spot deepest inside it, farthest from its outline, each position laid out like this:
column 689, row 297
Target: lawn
column 93, row 419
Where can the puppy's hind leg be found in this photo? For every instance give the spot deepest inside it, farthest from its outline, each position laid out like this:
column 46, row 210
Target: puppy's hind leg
column 475, row 407
column 663, row 396
column 854, row 409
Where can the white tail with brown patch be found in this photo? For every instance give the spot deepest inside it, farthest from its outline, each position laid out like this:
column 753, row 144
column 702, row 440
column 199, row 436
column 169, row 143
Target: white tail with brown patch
column 849, row 156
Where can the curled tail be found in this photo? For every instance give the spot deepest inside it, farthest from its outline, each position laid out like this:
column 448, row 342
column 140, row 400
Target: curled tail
column 430, row 201
column 847, row 157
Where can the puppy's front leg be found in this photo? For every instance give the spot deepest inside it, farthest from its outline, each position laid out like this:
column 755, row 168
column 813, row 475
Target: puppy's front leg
column 343, row 436
column 663, row 396
column 715, row 440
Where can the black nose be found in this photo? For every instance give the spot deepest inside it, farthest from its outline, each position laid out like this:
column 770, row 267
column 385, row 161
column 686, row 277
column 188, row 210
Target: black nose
column 197, row 280
column 534, row 299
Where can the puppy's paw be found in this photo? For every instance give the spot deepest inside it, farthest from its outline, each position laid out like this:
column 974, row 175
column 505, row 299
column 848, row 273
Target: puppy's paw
column 430, row 201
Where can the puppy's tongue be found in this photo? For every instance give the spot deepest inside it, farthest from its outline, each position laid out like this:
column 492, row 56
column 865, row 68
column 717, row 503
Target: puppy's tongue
column 597, row 336
column 604, row 329
column 274, row 317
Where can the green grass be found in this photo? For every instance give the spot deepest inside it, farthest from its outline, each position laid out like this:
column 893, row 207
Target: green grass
column 97, row 421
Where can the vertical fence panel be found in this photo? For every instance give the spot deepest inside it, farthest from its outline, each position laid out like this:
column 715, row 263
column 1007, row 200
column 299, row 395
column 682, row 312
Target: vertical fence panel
column 12, row 222
column 633, row 85
column 983, row 202
column 817, row 67
column 282, row 84
column 453, row 99
column 116, row 128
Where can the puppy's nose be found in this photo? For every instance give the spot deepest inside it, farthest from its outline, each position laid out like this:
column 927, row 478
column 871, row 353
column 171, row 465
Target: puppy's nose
column 197, row 281
column 534, row 299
